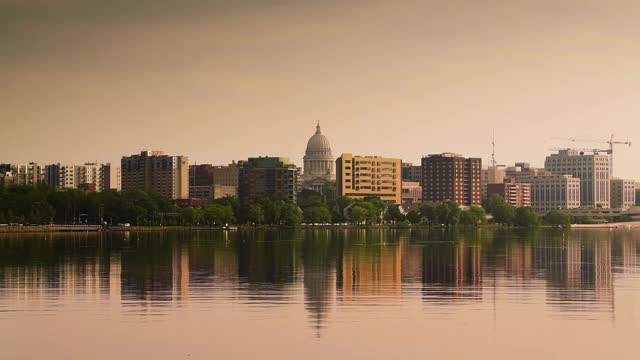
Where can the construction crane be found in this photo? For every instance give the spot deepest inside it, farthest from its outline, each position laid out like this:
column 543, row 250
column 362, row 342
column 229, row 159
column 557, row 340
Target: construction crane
column 610, row 142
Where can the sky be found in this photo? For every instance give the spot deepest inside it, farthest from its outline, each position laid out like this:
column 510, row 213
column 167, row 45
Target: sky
column 222, row 80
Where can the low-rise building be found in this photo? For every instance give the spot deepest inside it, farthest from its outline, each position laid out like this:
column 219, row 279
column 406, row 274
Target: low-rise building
column 411, row 192
column 513, row 192
column 492, row 175
column 361, row 177
column 554, row 192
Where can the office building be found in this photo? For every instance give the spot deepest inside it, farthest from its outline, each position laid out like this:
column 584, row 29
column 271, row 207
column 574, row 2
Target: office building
column 591, row 169
column 21, row 174
column 623, row 194
column 554, row 192
column 157, row 172
column 318, row 162
column 362, row 177
column 411, row 173
column 514, row 193
column 451, row 177
column 201, row 181
column 267, row 176
column 226, row 180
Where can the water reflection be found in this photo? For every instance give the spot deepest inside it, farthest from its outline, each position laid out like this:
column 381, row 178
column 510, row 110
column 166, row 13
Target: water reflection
column 573, row 273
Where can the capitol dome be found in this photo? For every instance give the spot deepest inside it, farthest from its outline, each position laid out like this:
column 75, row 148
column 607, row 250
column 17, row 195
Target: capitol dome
column 318, row 161
column 318, row 144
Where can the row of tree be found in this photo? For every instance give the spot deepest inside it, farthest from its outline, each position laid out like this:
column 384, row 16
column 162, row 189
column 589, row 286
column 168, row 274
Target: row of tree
column 42, row 205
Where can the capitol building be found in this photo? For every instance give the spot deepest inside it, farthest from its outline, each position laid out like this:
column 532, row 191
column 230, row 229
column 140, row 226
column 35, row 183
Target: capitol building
column 318, row 162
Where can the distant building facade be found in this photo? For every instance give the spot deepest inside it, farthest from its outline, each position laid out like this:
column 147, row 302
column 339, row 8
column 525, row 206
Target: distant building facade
column 267, row 176
column 201, row 181
column 207, row 181
column 623, row 194
column 21, row 174
column 226, row 180
column 155, row 171
column 318, row 162
column 90, row 177
column 591, row 169
column 514, row 193
column 411, row 173
column 492, row 175
column 411, row 192
column 554, row 192
column 361, row 177
column 453, row 177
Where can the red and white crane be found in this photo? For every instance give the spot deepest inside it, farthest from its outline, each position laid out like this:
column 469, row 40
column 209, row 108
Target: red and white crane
column 611, row 143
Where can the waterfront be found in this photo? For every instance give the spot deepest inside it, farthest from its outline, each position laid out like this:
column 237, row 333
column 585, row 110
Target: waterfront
column 353, row 294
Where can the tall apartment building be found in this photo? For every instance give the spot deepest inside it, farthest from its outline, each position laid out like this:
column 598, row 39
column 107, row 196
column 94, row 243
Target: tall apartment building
column 155, row 171
column 21, row 174
column 554, row 192
column 361, row 177
column 267, row 176
column 591, row 169
column 200, row 181
column 623, row 194
column 514, row 193
column 492, row 175
column 90, row 176
column 411, row 173
column 453, row 177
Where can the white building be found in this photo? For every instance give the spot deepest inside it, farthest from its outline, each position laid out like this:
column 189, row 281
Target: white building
column 623, row 194
column 591, row 169
column 554, row 192
column 318, row 162
column 61, row 176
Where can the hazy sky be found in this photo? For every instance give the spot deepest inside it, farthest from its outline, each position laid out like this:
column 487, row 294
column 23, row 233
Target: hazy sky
column 85, row 80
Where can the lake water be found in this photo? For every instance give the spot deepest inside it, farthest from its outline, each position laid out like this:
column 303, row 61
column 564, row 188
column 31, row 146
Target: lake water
column 322, row 294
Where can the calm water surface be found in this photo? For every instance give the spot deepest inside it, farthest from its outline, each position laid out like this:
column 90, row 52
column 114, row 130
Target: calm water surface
column 324, row 294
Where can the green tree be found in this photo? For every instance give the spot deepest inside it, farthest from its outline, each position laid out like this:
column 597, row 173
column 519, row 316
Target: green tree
column 256, row 214
column 413, row 216
column 291, row 214
column 428, row 213
column 478, row 213
column 504, row 214
column 191, row 215
column 317, row 215
column 489, row 203
column 526, row 217
column 558, row 218
column 393, row 214
column 358, row 214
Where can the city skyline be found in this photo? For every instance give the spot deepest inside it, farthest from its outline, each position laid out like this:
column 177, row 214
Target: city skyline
column 96, row 83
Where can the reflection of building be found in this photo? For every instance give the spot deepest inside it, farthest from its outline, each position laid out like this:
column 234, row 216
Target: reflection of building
column 514, row 193
column 450, row 176
column 270, row 176
column 554, row 192
column 318, row 162
column 155, row 171
column 449, row 268
column 592, row 170
column 360, row 177
column 372, row 270
column 623, row 194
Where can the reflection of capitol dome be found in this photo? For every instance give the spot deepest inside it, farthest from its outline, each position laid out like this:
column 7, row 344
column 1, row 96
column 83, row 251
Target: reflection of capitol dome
column 318, row 161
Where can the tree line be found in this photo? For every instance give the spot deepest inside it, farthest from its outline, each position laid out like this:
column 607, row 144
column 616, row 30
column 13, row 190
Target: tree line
column 43, row 205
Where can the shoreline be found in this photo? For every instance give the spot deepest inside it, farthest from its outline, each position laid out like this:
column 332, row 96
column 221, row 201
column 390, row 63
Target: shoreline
column 97, row 228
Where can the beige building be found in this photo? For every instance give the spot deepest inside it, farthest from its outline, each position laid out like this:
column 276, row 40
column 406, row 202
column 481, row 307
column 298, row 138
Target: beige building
column 492, row 175
column 411, row 192
column 591, row 169
column 155, row 171
column 623, row 194
column 360, row 177
column 226, row 180
column 554, row 192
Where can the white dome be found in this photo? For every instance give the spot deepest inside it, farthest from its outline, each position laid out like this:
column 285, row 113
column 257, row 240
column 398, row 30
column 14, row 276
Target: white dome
column 318, row 144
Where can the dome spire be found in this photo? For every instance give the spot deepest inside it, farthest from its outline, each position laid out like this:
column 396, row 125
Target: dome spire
column 318, row 127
